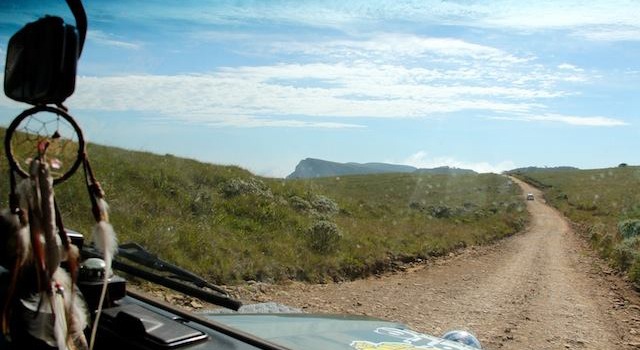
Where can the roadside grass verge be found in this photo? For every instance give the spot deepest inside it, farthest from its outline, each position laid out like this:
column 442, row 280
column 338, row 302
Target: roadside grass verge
column 230, row 226
column 605, row 206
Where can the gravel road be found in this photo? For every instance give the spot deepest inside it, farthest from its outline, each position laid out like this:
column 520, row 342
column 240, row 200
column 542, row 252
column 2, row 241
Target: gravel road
column 539, row 289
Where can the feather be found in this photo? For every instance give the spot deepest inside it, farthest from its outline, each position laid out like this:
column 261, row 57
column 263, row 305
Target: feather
column 104, row 237
column 48, row 215
column 60, row 329
column 103, row 206
column 29, row 192
column 75, row 310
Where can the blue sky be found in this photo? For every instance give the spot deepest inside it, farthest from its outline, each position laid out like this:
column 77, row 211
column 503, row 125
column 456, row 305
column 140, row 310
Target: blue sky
column 263, row 84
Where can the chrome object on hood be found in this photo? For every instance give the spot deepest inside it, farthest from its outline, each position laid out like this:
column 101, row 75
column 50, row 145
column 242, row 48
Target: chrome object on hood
column 463, row 337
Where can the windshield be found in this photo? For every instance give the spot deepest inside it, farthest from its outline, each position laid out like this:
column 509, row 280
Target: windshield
column 442, row 164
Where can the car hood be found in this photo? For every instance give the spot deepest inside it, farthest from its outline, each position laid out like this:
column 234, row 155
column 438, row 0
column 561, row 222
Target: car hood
column 309, row 331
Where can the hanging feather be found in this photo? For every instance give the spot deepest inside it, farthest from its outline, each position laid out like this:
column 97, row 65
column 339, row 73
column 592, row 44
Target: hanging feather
column 75, row 310
column 60, row 330
column 55, row 317
column 104, row 238
column 48, row 219
column 30, row 192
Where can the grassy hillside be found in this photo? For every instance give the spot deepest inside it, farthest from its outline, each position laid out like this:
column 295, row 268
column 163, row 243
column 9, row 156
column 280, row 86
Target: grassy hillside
column 605, row 203
column 228, row 225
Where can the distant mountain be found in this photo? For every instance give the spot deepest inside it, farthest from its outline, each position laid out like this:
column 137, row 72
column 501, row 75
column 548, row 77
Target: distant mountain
column 311, row 168
column 445, row 170
column 534, row 169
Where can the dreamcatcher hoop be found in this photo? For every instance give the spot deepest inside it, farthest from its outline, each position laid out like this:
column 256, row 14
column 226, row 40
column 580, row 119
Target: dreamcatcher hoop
column 16, row 128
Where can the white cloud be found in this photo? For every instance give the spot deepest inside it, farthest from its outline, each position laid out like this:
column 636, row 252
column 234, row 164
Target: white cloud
column 582, row 121
column 350, row 78
column 561, row 14
column 422, row 159
column 396, row 47
column 474, row 78
column 103, row 38
column 571, row 67
column 571, row 15
column 385, row 76
column 570, row 120
column 611, row 33
column 254, row 122
column 311, row 90
column 504, row 13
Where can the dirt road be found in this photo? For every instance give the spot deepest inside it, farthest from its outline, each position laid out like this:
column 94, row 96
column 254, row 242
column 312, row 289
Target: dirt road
column 540, row 289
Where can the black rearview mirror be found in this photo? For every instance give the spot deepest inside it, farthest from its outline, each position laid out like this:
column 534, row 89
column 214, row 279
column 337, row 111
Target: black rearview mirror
column 42, row 59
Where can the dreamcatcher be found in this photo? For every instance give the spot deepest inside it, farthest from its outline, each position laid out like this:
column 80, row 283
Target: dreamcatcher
column 44, row 147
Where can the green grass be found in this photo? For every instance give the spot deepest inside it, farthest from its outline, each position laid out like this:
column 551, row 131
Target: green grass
column 229, row 225
column 598, row 201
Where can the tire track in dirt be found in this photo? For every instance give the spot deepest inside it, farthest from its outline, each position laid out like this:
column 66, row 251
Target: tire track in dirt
column 539, row 289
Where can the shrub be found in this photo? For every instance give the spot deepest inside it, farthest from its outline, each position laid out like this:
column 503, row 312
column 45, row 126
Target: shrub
column 202, row 204
column 634, row 270
column 324, row 204
column 605, row 246
column 416, row 205
column 323, row 236
column 236, row 187
column 299, row 204
column 625, row 253
column 595, row 233
column 629, row 228
column 440, row 211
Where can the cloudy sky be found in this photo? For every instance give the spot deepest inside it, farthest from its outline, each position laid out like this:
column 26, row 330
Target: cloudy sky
column 487, row 85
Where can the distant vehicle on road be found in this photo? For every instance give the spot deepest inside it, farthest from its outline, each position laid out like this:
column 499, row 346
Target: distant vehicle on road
column 529, row 196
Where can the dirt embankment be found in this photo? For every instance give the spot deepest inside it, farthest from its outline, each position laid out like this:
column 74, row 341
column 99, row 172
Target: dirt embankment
column 540, row 289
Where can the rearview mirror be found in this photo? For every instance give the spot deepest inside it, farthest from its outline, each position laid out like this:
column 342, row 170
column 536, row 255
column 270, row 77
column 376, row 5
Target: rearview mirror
column 41, row 62
column 42, row 58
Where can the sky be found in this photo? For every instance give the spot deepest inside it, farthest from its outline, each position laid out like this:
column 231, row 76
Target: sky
column 483, row 85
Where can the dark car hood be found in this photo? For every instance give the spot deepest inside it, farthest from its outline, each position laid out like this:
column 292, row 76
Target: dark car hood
column 308, row 332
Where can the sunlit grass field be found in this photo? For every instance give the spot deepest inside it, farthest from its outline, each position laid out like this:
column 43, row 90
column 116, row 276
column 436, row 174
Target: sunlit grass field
column 229, row 225
column 605, row 205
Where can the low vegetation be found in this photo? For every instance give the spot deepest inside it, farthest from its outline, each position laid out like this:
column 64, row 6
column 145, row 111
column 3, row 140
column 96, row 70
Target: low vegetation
column 229, row 225
column 604, row 204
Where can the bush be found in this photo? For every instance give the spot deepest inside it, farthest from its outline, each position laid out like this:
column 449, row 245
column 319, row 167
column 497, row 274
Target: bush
column 324, row 205
column 595, row 232
column 323, row 236
column 236, row 187
column 634, row 270
column 626, row 253
column 629, row 228
column 299, row 204
column 440, row 211
column 606, row 246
